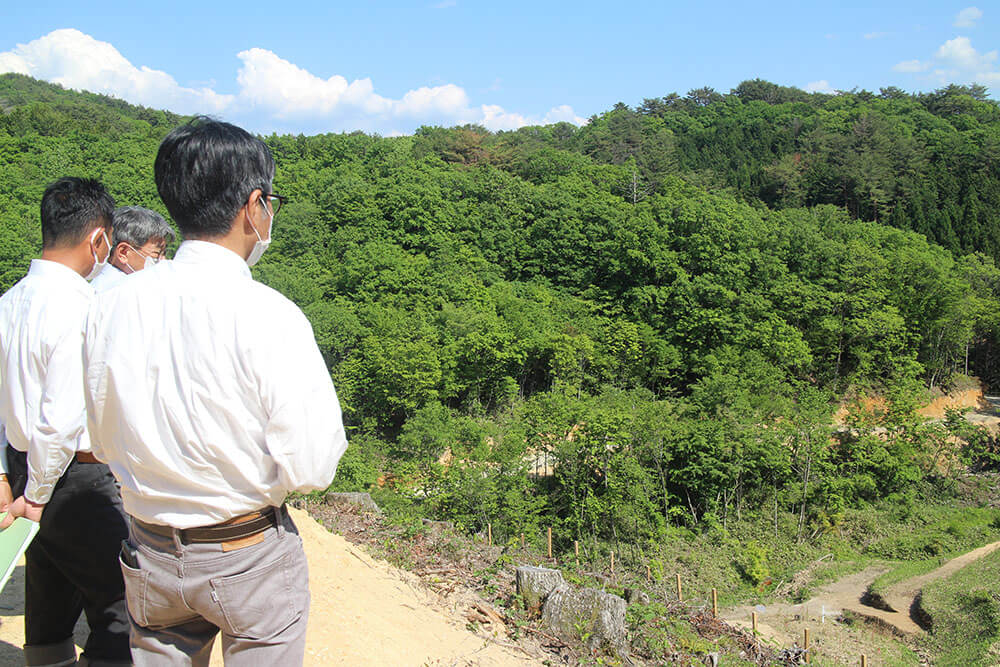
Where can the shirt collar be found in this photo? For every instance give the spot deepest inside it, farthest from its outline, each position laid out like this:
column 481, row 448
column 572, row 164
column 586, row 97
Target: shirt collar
column 206, row 252
column 46, row 269
column 109, row 267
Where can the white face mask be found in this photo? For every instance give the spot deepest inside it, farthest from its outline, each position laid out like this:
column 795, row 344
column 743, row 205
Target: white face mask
column 261, row 245
column 147, row 261
column 99, row 265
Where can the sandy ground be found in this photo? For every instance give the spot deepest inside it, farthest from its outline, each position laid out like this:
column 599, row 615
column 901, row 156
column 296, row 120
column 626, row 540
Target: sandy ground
column 363, row 612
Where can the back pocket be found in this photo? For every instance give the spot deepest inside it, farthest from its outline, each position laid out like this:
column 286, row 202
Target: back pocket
column 259, row 603
column 136, row 582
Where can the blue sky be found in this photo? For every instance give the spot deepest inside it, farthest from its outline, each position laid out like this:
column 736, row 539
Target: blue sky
column 390, row 67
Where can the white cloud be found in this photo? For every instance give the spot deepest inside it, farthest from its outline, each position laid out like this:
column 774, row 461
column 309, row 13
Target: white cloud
column 563, row 114
column 444, row 4
column 75, row 60
column 276, row 85
column 967, row 17
column 876, row 35
column 960, row 54
column 272, row 93
column 822, row 86
column 956, row 61
column 911, row 66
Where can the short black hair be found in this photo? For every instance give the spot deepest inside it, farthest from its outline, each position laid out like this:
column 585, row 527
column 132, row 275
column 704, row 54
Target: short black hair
column 205, row 170
column 71, row 208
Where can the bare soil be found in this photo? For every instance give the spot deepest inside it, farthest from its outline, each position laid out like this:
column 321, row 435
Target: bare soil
column 783, row 624
column 363, row 612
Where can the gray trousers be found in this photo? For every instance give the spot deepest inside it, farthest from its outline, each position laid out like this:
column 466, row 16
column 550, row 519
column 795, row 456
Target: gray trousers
column 182, row 595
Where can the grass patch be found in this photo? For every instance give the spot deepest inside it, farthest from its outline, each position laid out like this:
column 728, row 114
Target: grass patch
column 964, row 612
column 749, row 563
column 938, row 533
column 901, row 571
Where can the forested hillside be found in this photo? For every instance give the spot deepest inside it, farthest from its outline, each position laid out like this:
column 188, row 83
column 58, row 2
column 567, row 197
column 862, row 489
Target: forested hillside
column 927, row 162
column 668, row 302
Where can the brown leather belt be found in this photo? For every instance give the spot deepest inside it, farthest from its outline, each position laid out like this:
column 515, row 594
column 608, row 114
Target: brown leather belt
column 86, row 457
column 237, row 528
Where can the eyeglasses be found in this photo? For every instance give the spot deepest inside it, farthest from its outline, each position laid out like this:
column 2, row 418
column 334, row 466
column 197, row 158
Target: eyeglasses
column 277, row 201
column 156, row 257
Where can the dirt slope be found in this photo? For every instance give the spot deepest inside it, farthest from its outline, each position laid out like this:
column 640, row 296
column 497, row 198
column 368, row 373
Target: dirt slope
column 363, row 612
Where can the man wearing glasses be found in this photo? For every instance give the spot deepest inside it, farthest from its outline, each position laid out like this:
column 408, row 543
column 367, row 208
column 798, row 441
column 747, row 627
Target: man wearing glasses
column 140, row 240
column 208, row 397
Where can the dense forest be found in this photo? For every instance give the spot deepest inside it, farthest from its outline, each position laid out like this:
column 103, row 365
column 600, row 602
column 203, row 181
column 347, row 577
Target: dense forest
column 667, row 304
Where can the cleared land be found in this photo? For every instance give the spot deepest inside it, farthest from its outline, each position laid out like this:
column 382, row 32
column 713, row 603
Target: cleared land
column 363, row 612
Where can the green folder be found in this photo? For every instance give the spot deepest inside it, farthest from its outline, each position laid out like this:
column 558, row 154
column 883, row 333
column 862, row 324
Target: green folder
column 13, row 542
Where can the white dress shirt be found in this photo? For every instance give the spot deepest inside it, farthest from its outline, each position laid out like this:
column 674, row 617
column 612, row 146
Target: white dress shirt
column 41, row 371
column 206, row 392
column 109, row 276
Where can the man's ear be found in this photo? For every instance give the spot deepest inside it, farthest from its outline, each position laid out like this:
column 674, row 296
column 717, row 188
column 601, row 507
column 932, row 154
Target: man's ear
column 250, row 210
column 121, row 253
column 94, row 238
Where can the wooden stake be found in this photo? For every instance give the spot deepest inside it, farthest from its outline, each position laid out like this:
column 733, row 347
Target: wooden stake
column 805, row 642
column 649, row 575
column 864, row 660
column 489, row 534
column 576, row 551
column 753, row 621
column 550, row 541
column 522, row 540
column 680, row 597
column 715, row 603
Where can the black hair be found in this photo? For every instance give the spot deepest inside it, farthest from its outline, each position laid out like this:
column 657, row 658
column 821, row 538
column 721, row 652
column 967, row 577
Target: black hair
column 205, row 170
column 71, row 208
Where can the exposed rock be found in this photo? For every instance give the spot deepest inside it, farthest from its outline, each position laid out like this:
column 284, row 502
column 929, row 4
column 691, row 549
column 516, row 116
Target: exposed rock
column 633, row 596
column 534, row 584
column 362, row 500
column 589, row 615
column 437, row 528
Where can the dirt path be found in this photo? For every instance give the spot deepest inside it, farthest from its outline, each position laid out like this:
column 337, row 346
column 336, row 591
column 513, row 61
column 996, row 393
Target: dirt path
column 363, row 612
column 901, row 596
column 845, row 594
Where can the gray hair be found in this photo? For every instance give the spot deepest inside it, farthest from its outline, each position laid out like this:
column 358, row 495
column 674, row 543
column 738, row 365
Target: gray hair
column 135, row 226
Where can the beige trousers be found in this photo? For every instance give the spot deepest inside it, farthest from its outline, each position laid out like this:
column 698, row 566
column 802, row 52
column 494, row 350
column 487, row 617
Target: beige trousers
column 182, row 595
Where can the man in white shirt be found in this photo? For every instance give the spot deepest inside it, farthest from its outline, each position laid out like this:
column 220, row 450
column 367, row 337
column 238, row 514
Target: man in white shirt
column 72, row 565
column 140, row 239
column 208, row 397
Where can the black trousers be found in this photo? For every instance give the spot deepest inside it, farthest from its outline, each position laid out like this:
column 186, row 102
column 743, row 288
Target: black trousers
column 72, row 566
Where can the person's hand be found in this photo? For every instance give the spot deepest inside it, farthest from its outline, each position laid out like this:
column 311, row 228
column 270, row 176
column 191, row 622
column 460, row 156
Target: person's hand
column 6, row 497
column 22, row 507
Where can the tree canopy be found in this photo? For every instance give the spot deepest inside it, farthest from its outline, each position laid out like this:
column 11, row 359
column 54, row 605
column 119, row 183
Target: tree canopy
column 669, row 301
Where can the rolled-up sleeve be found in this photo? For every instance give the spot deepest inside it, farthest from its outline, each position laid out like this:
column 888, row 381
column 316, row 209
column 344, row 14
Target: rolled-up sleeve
column 305, row 431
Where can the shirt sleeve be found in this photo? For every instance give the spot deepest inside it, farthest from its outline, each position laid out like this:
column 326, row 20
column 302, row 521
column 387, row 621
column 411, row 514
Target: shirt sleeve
column 94, row 380
column 305, row 432
column 3, row 449
column 62, row 421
